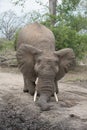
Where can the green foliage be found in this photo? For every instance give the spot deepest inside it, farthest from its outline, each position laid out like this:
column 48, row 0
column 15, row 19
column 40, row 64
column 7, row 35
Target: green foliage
column 68, row 38
column 78, row 22
column 6, row 45
column 66, row 10
column 68, row 23
column 18, row 2
column 15, row 39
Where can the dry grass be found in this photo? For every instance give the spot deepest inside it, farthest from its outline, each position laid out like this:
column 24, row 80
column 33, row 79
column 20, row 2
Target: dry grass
column 79, row 74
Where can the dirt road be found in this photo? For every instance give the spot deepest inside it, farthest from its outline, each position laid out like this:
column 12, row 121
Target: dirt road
column 19, row 112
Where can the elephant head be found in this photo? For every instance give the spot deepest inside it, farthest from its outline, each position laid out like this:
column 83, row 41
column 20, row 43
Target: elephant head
column 49, row 67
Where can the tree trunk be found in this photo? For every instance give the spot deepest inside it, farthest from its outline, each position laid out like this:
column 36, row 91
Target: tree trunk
column 52, row 8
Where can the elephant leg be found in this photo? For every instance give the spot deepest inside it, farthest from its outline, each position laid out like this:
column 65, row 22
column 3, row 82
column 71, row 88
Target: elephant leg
column 26, row 87
column 29, row 85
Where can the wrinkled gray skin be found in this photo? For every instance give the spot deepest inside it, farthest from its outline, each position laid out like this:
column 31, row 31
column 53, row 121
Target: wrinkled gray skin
column 37, row 57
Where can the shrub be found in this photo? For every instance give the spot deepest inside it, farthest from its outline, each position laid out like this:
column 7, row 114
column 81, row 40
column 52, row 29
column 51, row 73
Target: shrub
column 6, row 45
column 65, row 37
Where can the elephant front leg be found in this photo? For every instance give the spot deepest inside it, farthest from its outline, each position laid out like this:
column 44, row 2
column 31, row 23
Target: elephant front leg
column 29, row 86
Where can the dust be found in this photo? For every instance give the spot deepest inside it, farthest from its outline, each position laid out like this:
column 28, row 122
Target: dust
column 19, row 112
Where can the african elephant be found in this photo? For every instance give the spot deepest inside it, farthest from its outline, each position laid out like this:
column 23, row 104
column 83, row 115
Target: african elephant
column 37, row 57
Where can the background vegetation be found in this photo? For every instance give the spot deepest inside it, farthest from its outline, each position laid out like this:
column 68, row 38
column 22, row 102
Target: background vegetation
column 69, row 26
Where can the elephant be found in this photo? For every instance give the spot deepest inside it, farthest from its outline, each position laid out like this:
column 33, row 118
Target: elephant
column 37, row 58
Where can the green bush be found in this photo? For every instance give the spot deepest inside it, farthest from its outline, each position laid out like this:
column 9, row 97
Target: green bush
column 15, row 39
column 6, row 45
column 1, row 46
column 65, row 37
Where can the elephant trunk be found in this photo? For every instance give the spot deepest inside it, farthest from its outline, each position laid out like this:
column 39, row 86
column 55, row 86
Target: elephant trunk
column 45, row 87
column 42, row 102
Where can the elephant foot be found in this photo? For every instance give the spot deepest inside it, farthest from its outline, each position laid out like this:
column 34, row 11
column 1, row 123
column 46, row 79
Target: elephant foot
column 29, row 87
column 32, row 90
column 32, row 93
column 25, row 90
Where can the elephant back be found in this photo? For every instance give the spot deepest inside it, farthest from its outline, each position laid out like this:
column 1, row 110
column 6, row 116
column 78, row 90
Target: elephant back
column 36, row 35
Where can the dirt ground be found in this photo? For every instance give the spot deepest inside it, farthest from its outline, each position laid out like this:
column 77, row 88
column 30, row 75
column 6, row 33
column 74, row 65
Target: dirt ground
column 19, row 112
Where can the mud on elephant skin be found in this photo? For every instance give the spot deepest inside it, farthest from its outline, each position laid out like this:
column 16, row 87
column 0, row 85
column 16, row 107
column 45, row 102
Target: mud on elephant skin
column 37, row 57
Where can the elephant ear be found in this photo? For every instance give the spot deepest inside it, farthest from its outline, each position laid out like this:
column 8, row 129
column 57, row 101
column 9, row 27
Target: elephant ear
column 26, row 57
column 66, row 58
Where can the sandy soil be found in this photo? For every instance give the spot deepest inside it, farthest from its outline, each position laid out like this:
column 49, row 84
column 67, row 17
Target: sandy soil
column 19, row 112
